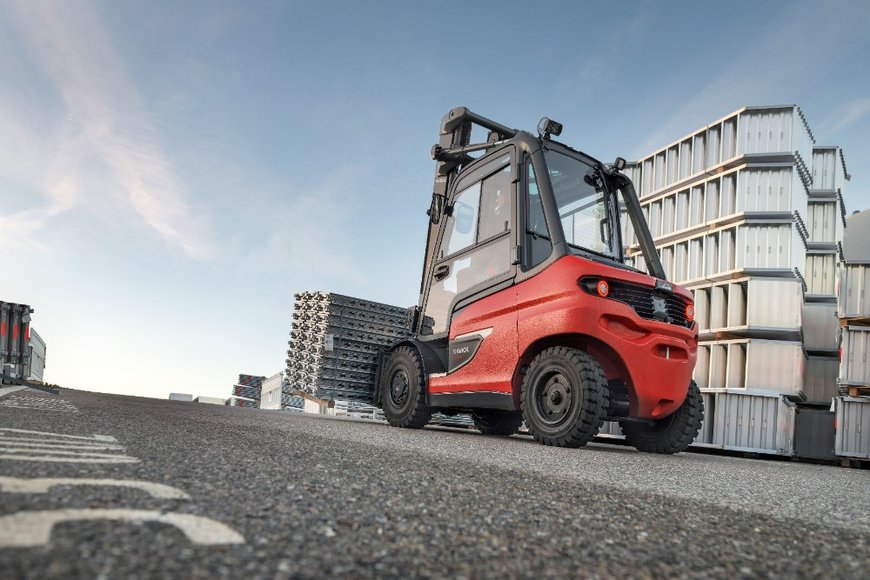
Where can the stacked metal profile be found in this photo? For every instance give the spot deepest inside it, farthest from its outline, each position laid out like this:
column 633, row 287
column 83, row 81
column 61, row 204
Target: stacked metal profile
column 246, row 392
column 14, row 340
column 727, row 207
column 335, row 342
column 852, row 407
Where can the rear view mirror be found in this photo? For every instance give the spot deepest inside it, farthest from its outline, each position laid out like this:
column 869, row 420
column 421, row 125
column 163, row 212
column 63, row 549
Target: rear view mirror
column 436, row 208
column 464, row 215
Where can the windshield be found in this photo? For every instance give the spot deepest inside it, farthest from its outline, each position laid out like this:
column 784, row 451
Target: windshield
column 582, row 204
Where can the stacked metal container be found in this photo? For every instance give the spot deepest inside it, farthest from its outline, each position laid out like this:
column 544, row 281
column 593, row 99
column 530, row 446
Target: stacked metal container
column 37, row 350
column 335, row 342
column 271, row 393
column 852, row 407
column 727, row 207
column 14, row 340
column 246, row 393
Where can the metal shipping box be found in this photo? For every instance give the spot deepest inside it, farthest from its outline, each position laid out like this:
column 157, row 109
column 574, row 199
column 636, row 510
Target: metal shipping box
column 180, row 397
column 829, row 169
column 853, row 427
column 771, row 365
column 270, row 394
column 854, row 291
column 211, row 400
column 820, row 377
column 36, row 369
column 855, row 343
column 760, row 307
column 749, row 131
column 754, row 421
column 820, row 273
column 15, row 339
column 820, row 326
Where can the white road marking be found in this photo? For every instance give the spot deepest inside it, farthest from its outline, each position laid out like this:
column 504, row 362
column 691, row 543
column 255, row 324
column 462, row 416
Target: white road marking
column 71, row 446
column 8, row 390
column 54, row 459
column 38, row 403
column 103, row 438
column 42, row 485
column 28, row 529
column 56, row 452
column 26, row 445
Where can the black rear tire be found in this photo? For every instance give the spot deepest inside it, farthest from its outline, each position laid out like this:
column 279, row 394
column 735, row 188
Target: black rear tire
column 671, row 434
column 564, row 397
column 495, row 422
column 403, row 389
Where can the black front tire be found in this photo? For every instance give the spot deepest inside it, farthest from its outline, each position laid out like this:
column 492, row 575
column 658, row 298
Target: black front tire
column 564, row 397
column 403, row 389
column 671, row 434
column 494, row 422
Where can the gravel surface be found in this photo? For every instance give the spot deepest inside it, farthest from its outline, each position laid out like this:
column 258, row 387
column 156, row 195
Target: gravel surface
column 315, row 496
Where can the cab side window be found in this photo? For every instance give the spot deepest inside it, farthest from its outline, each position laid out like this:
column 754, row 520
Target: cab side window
column 538, row 244
column 495, row 203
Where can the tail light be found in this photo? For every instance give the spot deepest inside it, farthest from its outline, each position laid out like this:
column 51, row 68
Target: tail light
column 603, row 288
column 690, row 312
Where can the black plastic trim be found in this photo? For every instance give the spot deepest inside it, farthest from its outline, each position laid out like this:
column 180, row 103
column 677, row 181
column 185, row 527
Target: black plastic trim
column 474, row 400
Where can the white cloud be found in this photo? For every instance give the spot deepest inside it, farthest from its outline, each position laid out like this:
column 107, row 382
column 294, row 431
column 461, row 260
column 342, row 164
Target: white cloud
column 770, row 70
column 105, row 157
column 311, row 238
column 850, row 114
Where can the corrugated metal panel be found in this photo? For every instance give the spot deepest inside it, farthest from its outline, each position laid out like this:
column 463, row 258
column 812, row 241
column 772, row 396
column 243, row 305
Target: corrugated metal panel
column 820, row 273
column 770, row 189
column 853, row 427
column 828, row 170
column 764, row 303
column 822, row 222
column 36, row 368
column 820, row 326
column 854, row 292
column 748, row 131
column 855, row 344
column 771, row 365
column 820, row 378
column 270, row 392
column 754, row 422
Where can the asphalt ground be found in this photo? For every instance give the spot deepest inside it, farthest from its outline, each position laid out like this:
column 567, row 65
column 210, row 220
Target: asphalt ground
column 309, row 496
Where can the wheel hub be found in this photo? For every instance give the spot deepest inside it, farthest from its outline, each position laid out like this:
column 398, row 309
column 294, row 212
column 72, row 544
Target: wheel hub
column 555, row 398
column 400, row 386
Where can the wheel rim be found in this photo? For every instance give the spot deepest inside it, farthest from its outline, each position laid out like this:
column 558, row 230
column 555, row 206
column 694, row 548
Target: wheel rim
column 400, row 387
column 554, row 398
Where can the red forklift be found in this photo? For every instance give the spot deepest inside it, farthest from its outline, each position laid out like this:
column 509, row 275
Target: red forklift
column 528, row 311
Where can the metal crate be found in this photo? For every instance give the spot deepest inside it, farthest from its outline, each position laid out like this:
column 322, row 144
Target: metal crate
column 754, row 421
column 771, row 365
column 854, row 291
column 750, row 307
column 820, row 326
column 853, row 427
column 820, row 377
column 855, row 344
column 749, row 131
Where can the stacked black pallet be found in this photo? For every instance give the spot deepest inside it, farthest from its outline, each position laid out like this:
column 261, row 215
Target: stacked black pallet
column 335, row 342
column 249, row 389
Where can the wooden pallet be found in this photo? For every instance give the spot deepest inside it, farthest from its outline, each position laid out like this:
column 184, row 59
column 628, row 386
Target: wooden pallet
column 855, row 321
column 854, row 391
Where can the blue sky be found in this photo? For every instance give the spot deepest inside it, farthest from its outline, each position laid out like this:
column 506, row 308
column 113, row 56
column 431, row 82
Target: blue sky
column 171, row 173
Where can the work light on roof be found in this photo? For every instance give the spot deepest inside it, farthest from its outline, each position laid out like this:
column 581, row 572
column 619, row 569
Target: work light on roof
column 547, row 126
